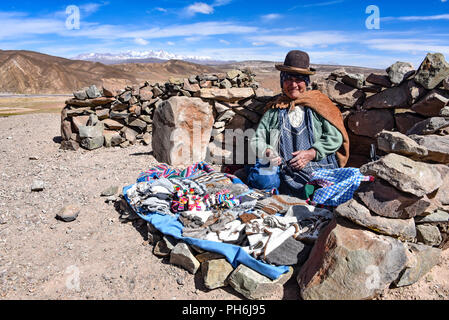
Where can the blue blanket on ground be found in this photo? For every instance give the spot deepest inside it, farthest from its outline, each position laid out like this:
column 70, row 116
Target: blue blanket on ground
column 235, row 255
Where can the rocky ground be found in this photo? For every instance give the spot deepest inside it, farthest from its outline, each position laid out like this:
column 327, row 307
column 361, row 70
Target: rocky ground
column 42, row 257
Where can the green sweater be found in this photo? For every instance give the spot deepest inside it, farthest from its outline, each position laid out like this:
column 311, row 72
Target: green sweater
column 328, row 139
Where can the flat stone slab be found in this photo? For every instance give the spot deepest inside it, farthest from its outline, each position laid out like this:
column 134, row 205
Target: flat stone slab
column 387, row 201
column 438, row 216
column 429, row 234
column 437, row 147
column 409, row 176
column 359, row 214
column 226, row 95
column 396, row 142
column 429, row 126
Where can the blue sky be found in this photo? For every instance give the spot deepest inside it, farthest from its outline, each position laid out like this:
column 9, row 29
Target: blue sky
column 331, row 31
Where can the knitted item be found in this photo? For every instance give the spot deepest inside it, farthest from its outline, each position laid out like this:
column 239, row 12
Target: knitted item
column 278, row 204
column 290, row 252
column 247, row 217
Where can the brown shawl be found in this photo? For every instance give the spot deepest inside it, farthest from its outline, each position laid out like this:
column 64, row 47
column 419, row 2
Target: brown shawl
column 321, row 104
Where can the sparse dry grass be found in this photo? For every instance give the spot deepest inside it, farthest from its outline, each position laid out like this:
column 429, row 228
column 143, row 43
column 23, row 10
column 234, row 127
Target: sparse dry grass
column 18, row 105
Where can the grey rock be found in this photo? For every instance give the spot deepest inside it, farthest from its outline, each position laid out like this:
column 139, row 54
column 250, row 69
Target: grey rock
column 437, row 147
column 93, row 92
column 92, row 143
column 432, row 71
column 226, row 116
column 421, row 259
column 91, row 131
column 358, row 214
column 438, row 216
column 432, row 104
column 400, row 71
column 215, row 273
column 405, row 174
column 69, row 213
column 341, row 93
column 111, row 191
column 80, row 95
column 429, row 126
column 70, row 145
column 386, row 201
column 254, row 286
column 290, row 253
column 356, row 80
column 183, row 257
column 429, row 234
column 396, row 142
column 139, row 124
column 381, row 80
column 444, row 112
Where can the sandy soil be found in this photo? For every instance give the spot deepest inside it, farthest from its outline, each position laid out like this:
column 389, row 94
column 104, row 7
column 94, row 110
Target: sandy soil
column 41, row 257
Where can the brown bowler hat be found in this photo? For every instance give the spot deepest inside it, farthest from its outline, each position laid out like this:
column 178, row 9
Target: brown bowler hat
column 297, row 62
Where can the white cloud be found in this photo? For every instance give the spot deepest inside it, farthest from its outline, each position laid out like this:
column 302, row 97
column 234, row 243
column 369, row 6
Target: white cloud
column 141, row 41
column 271, row 17
column 418, row 18
column 407, row 45
column 224, row 42
column 304, row 40
column 199, row 7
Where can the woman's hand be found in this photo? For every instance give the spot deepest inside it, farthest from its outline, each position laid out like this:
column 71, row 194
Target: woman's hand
column 275, row 160
column 302, row 158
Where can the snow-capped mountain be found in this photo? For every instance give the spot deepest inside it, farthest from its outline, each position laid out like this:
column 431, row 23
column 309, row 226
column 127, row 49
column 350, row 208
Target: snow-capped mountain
column 139, row 56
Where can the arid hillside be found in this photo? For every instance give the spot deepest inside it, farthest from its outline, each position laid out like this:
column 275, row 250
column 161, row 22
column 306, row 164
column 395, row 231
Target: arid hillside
column 26, row 72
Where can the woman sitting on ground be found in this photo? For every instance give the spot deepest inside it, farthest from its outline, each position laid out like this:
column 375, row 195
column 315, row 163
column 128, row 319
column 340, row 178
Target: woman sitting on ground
column 302, row 131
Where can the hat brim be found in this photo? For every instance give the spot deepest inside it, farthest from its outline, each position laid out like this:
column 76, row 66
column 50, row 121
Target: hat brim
column 281, row 67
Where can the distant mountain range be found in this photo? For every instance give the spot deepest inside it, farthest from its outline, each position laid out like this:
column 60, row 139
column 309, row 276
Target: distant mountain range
column 28, row 72
column 149, row 56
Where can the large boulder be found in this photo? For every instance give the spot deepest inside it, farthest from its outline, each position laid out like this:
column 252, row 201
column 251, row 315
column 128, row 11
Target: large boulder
column 350, row 263
column 409, row 176
column 432, row 71
column 182, row 130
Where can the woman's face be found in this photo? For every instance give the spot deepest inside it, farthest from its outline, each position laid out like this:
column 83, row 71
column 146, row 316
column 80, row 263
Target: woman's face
column 294, row 87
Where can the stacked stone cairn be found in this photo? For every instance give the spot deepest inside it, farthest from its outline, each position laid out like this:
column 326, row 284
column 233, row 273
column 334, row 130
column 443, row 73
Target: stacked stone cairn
column 393, row 231
column 114, row 117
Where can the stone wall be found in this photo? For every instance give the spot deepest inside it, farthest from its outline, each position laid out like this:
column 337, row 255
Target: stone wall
column 395, row 101
column 113, row 116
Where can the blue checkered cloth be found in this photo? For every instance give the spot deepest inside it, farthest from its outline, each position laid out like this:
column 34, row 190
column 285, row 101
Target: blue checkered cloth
column 337, row 186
